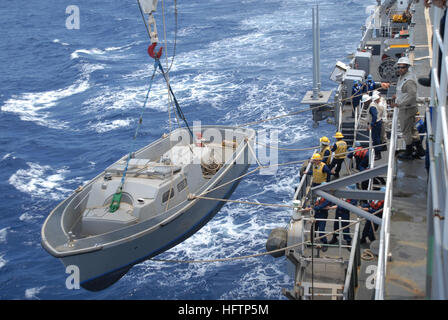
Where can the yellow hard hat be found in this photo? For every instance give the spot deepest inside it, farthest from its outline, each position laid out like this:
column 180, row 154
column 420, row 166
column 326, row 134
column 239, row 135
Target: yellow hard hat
column 316, row 156
column 324, row 141
column 338, row 135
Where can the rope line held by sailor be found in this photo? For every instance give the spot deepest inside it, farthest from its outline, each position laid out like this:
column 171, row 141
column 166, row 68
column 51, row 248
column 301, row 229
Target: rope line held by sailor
column 271, row 165
column 260, row 254
column 296, row 112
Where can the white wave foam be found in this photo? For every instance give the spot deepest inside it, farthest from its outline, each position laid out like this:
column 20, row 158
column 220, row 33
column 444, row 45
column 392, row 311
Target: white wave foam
column 8, row 155
column 127, row 98
column 3, row 234
column 33, row 106
column 88, row 68
column 261, row 280
column 103, row 54
column 40, row 181
column 28, row 217
column 106, row 126
column 33, row 292
column 93, row 52
column 59, row 41
column 3, row 261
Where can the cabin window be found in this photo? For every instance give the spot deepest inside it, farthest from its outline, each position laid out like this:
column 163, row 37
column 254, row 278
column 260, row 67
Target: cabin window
column 168, row 195
column 181, row 185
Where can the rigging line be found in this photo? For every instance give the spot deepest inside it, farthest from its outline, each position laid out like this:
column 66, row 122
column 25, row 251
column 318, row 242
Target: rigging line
column 245, row 202
column 175, row 35
column 179, row 110
column 286, row 149
column 170, row 103
column 144, row 104
column 233, row 180
column 164, row 35
column 256, row 255
column 143, row 17
column 298, row 112
column 138, row 125
column 116, row 199
column 273, row 165
column 312, row 255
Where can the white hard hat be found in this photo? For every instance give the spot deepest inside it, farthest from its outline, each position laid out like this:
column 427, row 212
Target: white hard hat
column 404, row 60
column 365, row 98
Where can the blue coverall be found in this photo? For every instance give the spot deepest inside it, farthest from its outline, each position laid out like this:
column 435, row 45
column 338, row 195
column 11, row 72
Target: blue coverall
column 356, row 96
column 321, row 213
column 368, row 232
column 376, row 129
column 344, row 214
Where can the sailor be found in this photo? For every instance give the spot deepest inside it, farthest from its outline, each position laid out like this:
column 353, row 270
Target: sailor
column 321, row 207
column 365, row 102
column 339, row 148
column 321, row 172
column 325, row 150
column 382, row 104
column 356, row 95
column 405, row 101
column 362, row 158
column 375, row 123
column 420, row 126
column 370, row 85
column 369, row 227
column 344, row 214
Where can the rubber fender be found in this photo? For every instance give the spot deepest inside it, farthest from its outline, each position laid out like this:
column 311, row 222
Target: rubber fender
column 277, row 240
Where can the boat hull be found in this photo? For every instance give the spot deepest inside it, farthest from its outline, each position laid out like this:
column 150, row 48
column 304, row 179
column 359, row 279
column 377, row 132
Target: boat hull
column 100, row 269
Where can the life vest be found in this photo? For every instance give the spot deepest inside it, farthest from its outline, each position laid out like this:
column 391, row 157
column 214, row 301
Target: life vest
column 379, row 111
column 361, row 153
column 341, row 149
column 377, row 204
column 319, row 175
column 322, row 154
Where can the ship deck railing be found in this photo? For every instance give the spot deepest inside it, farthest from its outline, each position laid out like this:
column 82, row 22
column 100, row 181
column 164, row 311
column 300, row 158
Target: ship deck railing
column 334, row 275
column 385, row 226
column 437, row 130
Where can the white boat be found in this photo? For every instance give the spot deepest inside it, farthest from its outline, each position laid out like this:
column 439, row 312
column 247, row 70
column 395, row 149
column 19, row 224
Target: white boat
column 157, row 209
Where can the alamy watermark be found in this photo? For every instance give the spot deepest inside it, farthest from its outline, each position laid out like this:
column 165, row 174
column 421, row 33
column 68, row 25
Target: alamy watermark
column 370, row 280
column 72, row 281
column 73, row 21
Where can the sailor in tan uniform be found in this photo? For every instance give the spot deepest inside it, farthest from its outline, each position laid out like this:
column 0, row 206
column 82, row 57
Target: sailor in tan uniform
column 405, row 101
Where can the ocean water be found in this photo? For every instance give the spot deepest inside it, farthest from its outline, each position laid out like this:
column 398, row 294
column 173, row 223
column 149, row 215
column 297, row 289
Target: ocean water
column 69, row 104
